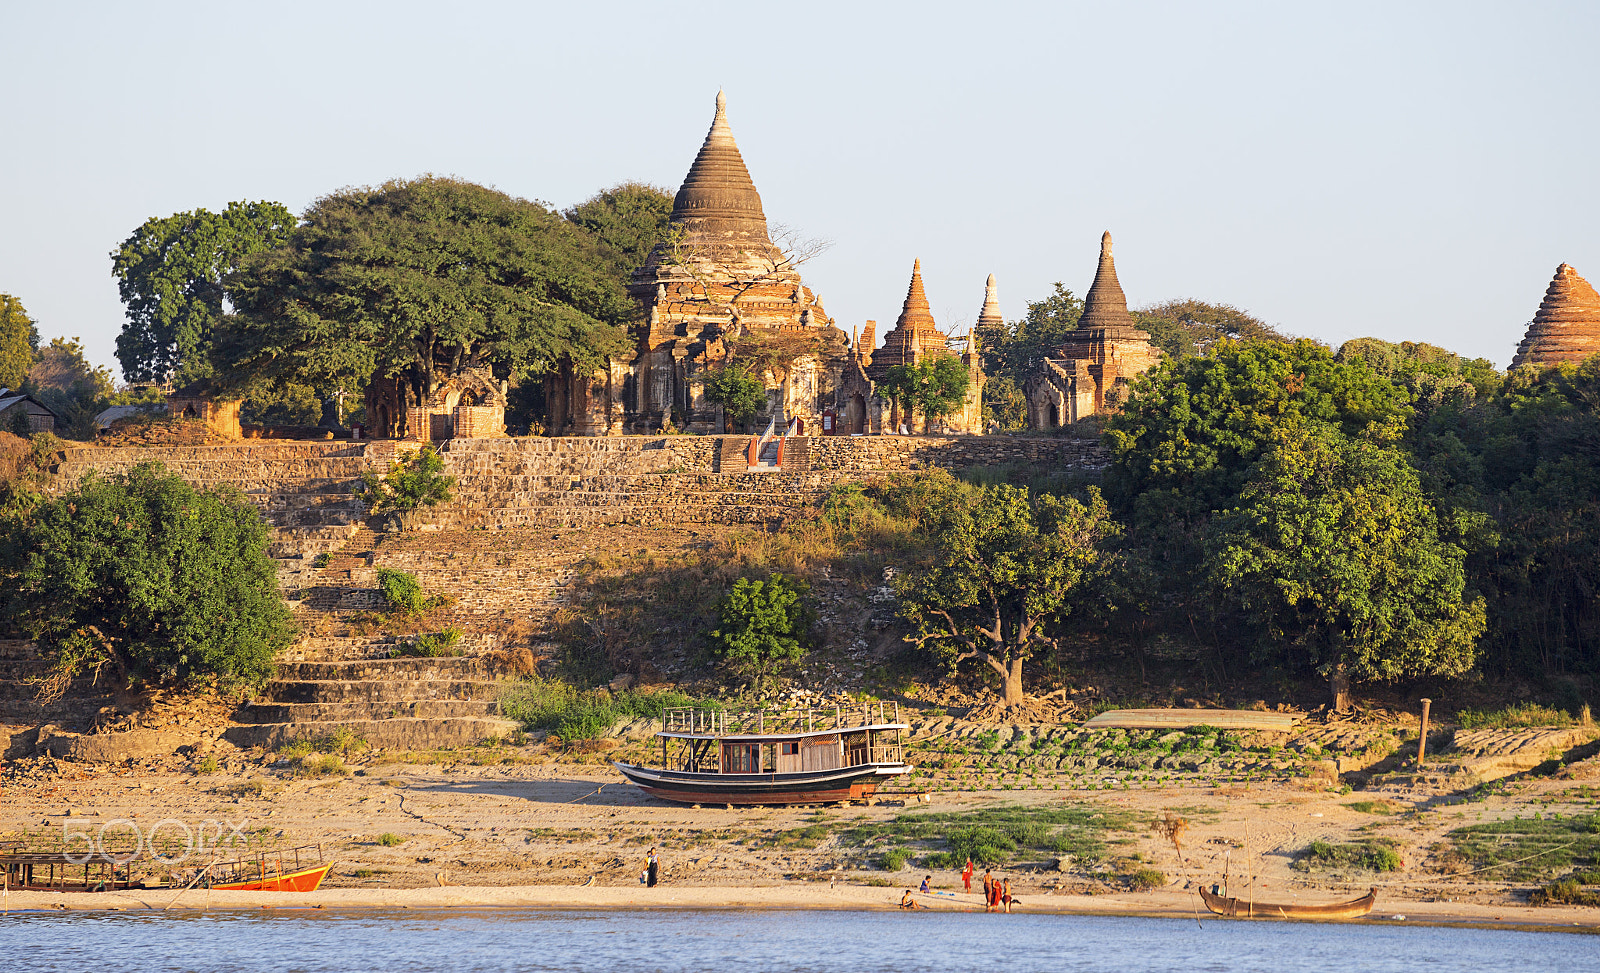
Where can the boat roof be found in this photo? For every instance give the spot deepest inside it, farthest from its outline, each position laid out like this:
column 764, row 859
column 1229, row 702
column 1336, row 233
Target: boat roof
column 774, row 737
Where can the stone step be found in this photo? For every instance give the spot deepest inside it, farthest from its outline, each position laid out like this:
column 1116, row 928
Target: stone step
column 387, row 669
column 391, row 691
column 390, row 734
column 432, row 709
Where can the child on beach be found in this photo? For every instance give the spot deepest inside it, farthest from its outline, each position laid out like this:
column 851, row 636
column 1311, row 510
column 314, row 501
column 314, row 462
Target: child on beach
column 924, row 889
column 907, row 902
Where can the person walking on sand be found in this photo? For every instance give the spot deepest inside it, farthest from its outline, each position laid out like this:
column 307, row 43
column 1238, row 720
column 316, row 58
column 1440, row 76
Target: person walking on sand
column 1005, row 894
column 651, row 868
column 966, row 875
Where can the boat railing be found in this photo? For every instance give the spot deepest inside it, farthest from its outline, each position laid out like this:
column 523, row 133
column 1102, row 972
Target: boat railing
column 721, row 722
column 265, row 864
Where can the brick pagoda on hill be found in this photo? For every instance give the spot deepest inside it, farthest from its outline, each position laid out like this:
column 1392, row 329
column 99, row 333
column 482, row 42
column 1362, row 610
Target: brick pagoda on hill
column 1567, row 327
column 1105, row 350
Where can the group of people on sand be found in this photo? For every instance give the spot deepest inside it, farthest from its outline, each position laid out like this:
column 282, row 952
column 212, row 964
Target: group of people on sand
column 996, row 891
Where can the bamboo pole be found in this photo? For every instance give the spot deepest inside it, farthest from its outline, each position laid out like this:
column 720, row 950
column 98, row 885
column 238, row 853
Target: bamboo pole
column 1422, row 738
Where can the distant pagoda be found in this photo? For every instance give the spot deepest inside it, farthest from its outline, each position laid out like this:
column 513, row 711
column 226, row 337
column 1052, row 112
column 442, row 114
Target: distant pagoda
column 1567, row 327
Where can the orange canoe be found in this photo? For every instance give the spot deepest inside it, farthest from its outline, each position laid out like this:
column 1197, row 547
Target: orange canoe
column 305, row 880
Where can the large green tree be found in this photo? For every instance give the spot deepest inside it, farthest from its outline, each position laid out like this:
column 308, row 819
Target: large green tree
column 1008, row 570
column 148, row 576
column 1193, row 428
column 19, row 340
column 935, row 386
column 628, row 219
column 170, row 273
column 1335, row 555
column 418, row 279
column 740, row 393
column 764, row 627
column 1188, row 327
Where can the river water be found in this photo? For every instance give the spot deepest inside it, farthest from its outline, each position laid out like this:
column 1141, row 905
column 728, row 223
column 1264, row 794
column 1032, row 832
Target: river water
column 773, row 942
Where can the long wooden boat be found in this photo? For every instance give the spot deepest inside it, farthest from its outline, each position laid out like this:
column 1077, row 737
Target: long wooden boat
column 797, row 757
column 299, row 869
column 1236, row 908
column 305, row 880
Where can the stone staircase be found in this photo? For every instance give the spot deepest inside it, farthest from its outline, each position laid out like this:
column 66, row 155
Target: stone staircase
column 404, row 703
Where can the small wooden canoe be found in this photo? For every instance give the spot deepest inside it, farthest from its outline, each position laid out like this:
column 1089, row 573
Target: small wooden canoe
column 1247, row 909
column 305, row 880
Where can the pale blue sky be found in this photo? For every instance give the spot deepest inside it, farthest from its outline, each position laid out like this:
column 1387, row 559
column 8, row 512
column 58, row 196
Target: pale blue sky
column 1405, row 170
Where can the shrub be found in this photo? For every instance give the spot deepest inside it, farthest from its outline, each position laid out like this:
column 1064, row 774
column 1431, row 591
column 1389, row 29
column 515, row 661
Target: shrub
column 389, row 839
column 740, row 393
column 143, row 573
column 435, row 645
column 416, row 481
column 1145, row 879
column 207, row 765
column 1513, row 717
column 1375, row 855
column 895, row 859
column 402, row 591
column 762, row 627
column 574, row 715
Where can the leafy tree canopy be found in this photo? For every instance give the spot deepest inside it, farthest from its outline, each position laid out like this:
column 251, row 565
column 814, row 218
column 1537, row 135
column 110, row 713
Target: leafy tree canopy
column 63, row 379
column 1335, row 551
column 170, row 274
column 1188, row 327
column 740, row 393
column 1008, row 570
column 1192, row 428
column 628, row 219
column 147, row 575
column 764, row 627
column 19, row 340
column 1011, row 348
column 418, row 480
column 935, row 386
column 422, row 278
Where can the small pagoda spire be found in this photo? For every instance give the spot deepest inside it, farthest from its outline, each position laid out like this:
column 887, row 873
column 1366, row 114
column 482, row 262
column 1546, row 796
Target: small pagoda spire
column 990, row 316
column 915, row 313
column 1105, row 306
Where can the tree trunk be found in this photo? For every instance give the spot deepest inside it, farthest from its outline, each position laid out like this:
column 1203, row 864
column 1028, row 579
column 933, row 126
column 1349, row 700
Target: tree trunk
column 1013, row 685
column 1339, row 683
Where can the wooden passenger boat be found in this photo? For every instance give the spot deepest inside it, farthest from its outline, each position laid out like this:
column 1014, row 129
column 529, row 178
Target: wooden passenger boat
column 1236, row 908
column 798, row 757
column 25, row 871
column 291, row 870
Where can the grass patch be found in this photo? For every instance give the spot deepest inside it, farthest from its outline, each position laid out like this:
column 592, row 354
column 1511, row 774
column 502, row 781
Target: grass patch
column 1565, row 892
column 321, row 765
column 389, row 839
column 1372, row 807
column 896, row 859
column 995, row 836
column 1514, row 717
column 1531, row 849
column 369, row 872
column 1145, row 879
column 207, row 765
column 245, row 788
column 1374, row 855
column 571, row 714
column 341, row 741
column 431, row 645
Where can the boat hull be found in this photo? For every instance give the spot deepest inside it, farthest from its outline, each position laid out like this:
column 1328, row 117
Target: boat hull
column 1235, row 908
column 814, row 787
column 305, row 880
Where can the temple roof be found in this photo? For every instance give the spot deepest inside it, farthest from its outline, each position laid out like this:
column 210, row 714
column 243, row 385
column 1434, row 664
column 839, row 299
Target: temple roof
column 990, row 315
column 915, row 334
column 1105, row 306
column 915, row 315
column 1567, row 327
column 718, row 200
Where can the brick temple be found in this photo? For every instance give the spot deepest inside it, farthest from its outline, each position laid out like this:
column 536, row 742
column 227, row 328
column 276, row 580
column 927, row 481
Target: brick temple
column 1567, row 325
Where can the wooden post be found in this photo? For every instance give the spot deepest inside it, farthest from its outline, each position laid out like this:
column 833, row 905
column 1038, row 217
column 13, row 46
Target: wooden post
column 1422, row 738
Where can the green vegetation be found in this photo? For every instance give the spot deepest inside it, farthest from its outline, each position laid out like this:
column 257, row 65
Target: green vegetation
column 1516, row 716
column 895, row 859
column 418, row 280
column 1376, row 855
column 171, row 273
column 432, row 645
column 994, row 836
column 1530, row 849
column 19, row 340
column 740, row 393
column 628, row 220
column 573, row 715
column 1372, row 807
column 414, row 481
column 402, row 592
column 1008, row 570
column 147, row 577
column 389, row 839
column 765, row 628
column 207, row 765
column 1146, row 879
column 935, row 386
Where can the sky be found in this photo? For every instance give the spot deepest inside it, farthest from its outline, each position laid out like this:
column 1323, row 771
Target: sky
column 1408, row 171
